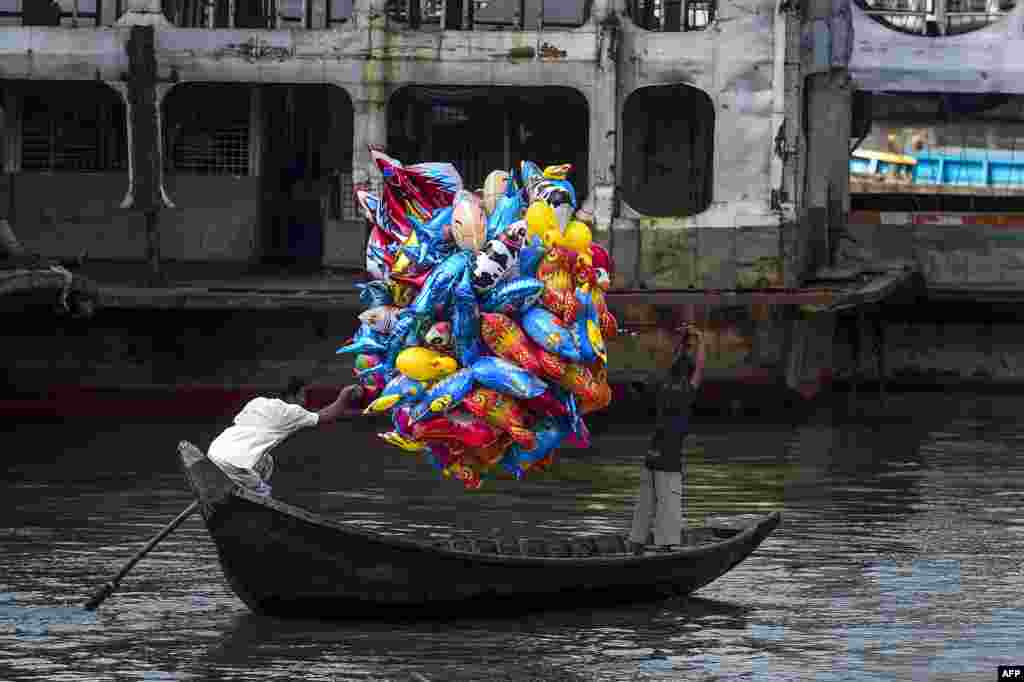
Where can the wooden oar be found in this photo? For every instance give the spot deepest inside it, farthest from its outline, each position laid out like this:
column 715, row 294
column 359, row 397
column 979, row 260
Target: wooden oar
column 108, row 588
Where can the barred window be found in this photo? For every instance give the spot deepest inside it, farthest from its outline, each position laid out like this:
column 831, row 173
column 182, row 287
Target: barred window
column 207, row 129
column 338, row 11
column 936, row 17
column 672, row 16
column 50, row 13
column 73, row 127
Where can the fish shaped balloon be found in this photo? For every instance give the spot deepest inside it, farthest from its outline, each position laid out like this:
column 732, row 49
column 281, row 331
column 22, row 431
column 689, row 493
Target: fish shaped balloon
column 488, row 456
column 423, row 364
column 469, row 224
column 549, row 434
column 513, row 297
column 530, row 174
column 508, row 341
column 437, row 288
column 501, row 375
column 588, row 329
column 507, row 210
column 557, row 172
column 502, row 412
column 365, row 340
column 466, row 322
column 443, row 396
column 458, row 429
column 580, row 382
column 374, row 294
column 551, row 334
column 399, row 390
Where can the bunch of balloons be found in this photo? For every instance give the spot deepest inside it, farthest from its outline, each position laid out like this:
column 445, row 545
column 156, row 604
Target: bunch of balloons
column 486, row 320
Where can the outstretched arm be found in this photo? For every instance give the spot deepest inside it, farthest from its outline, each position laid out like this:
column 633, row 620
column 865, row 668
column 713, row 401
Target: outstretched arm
column 698, row 362
column 347, row 402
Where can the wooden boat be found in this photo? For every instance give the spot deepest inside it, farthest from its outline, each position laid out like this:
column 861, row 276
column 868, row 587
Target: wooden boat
column 283, row 560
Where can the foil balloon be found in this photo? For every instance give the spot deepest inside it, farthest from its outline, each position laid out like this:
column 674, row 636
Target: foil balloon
column 401, row 420
column 469, row 224
column 557, row 271
column 495, row 187
column 549, row 434
column 466, row 322
column 400, row 441
column 437, row 288
column 547, row 404
column 551, row 334
column 374, row 294
column 588, row 329
column 530, row 174
column 380, row 319
column 444, row 395
column 372, row 385
column 501, row 375
column 399, row 390
column 502, row 412
column 486, row 457
column 541, row 221
column 439, row 336
column 419, row 188
column 365, row 340
column 580, row 381
column 513, row 297
column 423, row 364
column 458, row 429
column 515, row 235
column 432, row 242
column 507, row 341
column 492, row 264
column 367, row 363
column 579, row 439
column 507, row 210
column 577, row 237
column 530, row 257
column 375, row 211
column 557, row 172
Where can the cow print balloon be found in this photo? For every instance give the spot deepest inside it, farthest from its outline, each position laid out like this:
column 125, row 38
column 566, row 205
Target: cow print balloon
column 492, row 264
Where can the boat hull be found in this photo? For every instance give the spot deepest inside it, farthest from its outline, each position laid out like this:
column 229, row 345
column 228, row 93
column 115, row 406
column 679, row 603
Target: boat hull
column 284, row 560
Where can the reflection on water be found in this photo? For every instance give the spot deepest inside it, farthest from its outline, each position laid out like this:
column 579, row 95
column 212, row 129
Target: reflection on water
column 899, row 556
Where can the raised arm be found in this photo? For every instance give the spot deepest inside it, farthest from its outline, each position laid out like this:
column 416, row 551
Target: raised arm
column 345, row 404
column 698, row 362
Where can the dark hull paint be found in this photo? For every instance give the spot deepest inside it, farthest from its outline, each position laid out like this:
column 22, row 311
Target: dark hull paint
column 283, row 560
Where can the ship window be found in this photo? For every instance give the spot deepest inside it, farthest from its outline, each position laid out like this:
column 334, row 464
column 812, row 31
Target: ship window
column 74, row 127
column 672, row 16
column 936, row 17
column 207, row 129
column 667, row 148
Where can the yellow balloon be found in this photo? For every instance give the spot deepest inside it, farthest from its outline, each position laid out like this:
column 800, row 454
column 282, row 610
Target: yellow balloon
column 423, row 364
column 540, row 218
column 577, row 237
column 402, row 262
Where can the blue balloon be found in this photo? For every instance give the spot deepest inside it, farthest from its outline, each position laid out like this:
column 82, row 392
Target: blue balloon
column 591, row 348
column 507, row 210
column 374, row 294
column 439, row 284
column 515, row 296
column 530, row 257
column 505, row 377
column 365, row 340
column 432, row 246
column 547, row 331
column 404, row 389
column 454, row 387
column 549, row 432
column 466, row 322
column 403, row 332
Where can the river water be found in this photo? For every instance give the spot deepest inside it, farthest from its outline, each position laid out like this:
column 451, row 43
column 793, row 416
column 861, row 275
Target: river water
column 898, row 558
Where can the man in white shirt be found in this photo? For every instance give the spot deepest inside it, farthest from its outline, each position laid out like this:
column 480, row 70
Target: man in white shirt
column 242, row 451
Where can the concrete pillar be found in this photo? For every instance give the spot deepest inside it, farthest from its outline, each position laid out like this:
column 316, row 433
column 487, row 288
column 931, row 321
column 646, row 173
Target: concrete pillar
column 828, row 98
column 369, row 127
column 256, row 131
column 161, row 92
column 368, row 13
column 11, row 149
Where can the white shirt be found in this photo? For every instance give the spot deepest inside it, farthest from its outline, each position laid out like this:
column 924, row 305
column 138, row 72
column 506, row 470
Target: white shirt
column 261, row 425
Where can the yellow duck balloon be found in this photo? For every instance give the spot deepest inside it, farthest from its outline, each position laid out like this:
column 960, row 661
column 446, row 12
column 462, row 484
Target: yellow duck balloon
column 423, row 364
column 577, row 237
column 540, row 220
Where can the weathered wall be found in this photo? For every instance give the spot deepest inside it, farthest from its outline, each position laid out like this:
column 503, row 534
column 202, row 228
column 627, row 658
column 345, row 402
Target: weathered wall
column 61, row 215
column 343, row 243
column 971, row 252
